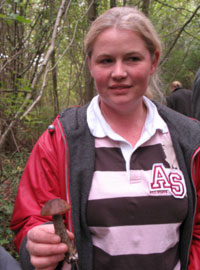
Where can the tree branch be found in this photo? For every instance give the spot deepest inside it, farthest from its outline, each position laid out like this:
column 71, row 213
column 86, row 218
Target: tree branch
column 178, row 35
column 43, row 68
column 73, row 37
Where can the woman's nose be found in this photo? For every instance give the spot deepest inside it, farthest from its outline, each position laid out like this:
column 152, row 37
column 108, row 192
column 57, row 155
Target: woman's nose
column 119, row 71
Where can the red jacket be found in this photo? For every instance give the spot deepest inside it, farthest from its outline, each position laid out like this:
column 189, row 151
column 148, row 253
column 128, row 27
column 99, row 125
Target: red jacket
column 47, row 161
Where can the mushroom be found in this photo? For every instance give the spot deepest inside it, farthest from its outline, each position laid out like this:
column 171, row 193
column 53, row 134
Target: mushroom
column 56, row 208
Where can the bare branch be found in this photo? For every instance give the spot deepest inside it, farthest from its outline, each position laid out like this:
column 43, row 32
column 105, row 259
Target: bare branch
column 178, row 35
column 3, row 1
column 172, row 7
column 51, row 47
column 180, row 65
column 43, row 68
column 73, row 37
column 40, row 94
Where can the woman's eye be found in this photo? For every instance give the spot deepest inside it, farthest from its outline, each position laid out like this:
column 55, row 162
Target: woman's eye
column 134, row 58
column 106, row 61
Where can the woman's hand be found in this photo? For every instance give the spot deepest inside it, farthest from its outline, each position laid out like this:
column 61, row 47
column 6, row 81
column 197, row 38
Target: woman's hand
column 45, row 247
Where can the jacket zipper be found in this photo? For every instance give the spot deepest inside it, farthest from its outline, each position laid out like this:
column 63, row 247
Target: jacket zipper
column 66, row 169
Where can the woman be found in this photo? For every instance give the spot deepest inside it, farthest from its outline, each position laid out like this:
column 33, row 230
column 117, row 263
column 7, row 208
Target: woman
column 180, row 99
column 127, row 166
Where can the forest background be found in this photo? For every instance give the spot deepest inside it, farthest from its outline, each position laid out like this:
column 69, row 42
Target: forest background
column 43, row 71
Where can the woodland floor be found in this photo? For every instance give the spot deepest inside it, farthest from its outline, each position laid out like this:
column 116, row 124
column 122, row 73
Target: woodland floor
column 10, row 173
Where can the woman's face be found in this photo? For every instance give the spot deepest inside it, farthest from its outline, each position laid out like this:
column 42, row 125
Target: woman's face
column 121, row 66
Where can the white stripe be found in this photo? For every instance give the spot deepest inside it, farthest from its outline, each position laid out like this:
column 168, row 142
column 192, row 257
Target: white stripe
column 156, row 139
column 116, row 184
column 106, row 142
column 178, row 266
column 143, row 239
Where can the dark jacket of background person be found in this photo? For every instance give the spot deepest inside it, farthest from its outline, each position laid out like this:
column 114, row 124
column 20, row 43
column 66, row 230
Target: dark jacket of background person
column 196, row 96
column 180, row 101
column 7, row 262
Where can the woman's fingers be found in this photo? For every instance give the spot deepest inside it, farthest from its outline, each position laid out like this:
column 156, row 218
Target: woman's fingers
column 45, row 248
column 46, row 262
column 43, row 234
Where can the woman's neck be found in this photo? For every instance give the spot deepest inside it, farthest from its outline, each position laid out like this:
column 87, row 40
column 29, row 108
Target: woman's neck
column 129, row 125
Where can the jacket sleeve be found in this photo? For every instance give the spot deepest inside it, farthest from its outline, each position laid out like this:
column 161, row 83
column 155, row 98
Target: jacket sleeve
column 42, row 180
column 194, row 258
column 7, row 262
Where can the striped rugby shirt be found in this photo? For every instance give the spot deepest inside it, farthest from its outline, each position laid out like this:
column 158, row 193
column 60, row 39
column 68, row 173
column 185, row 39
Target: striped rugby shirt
column 137, row 200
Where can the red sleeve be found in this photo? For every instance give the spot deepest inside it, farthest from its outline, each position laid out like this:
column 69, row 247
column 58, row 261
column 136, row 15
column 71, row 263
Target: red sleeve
column 194, row 258
column 42, row 180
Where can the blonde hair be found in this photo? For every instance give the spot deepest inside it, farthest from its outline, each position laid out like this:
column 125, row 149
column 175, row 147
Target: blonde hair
column 128, row 18
column 124, row 18
column 149, row 93
column 175, row 84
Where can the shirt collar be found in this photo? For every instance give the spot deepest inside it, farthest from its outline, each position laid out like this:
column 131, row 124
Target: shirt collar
column 100, row 128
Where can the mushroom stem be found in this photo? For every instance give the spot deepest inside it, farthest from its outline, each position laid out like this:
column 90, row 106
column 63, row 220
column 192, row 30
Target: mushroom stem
column 56, row 208
column 60, row 229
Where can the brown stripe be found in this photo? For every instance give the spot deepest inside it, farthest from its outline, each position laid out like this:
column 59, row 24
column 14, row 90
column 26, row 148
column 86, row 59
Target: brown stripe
column 159, row 261
column 136, row 211
column 144, row 157
column 111, row 159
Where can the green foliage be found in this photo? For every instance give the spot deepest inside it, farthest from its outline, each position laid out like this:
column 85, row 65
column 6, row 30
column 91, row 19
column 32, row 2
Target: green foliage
column 16, row 17
column 6, row 236
column 13, row 165
column 172, row 21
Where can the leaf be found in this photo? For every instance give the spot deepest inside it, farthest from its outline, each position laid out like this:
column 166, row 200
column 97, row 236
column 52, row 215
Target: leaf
column 3, row 241
column 3, row 16
column 22, row 19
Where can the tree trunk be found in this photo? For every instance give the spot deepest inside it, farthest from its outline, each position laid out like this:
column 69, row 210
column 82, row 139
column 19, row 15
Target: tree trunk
column 89, row 83
column 92, row 12
column 145, row 7
column 26, row 107
column 124, row 3
column 112, row 3
column 54, row 79
column 5, row 135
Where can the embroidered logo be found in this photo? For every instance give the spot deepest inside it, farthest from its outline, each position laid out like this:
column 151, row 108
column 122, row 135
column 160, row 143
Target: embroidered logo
column 170, row 180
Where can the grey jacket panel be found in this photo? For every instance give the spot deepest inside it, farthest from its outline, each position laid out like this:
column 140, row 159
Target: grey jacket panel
column 24, row 256
column 81, row 167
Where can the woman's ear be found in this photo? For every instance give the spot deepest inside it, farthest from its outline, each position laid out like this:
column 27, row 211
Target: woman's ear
column 155, row 61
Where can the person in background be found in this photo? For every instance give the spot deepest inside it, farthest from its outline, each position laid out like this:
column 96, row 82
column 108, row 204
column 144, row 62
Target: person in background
column 128, row 166
column 196, row 96
column 7, row 262
column 180, row 99
column 174, row 85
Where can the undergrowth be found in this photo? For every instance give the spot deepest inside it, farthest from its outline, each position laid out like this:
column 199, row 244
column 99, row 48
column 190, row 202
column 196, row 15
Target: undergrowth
column 12, row 166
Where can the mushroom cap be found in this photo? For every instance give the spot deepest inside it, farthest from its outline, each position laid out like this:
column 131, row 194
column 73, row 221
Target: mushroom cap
column 55, row 206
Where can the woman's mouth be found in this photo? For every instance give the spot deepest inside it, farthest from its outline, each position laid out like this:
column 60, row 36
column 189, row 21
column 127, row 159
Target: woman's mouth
column 119, row 86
